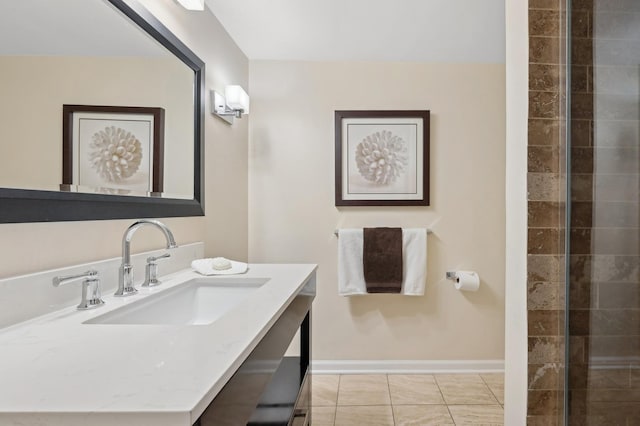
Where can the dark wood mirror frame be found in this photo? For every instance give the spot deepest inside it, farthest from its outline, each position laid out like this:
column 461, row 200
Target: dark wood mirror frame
column 19, row 205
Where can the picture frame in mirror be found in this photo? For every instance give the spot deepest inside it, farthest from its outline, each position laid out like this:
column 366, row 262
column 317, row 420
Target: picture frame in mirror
column 113, row 149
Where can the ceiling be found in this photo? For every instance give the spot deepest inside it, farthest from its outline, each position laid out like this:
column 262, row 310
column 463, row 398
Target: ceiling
column 366, row 30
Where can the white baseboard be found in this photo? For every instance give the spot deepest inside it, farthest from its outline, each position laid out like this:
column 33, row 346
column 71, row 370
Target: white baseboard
column 406, row 366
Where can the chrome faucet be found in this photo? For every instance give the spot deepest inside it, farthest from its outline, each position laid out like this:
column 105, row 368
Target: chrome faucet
column 125, row 281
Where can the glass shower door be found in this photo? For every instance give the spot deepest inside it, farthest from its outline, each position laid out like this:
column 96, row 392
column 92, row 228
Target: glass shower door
column 604, row 263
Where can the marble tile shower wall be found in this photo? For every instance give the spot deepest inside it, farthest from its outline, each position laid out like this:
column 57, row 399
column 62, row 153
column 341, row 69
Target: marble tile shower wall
column 604, row 373
column 546, row 212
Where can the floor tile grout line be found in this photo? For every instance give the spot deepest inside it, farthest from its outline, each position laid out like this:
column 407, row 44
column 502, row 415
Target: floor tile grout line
column 490, row 390
column 393, row 416
column 335, row 412
column 494, row 394
column 450, row 414
column 435, row 379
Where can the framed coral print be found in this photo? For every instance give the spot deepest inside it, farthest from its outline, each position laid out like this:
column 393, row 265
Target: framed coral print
column 113, row 149
column 382, row 158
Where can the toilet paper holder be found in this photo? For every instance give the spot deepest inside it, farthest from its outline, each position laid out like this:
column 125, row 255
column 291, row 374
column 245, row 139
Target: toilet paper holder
column 452, row 275
column 464, row 280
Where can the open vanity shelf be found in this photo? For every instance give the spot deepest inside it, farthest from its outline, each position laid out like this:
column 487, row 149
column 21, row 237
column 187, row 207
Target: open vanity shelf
column 270, row 389
column 287, row 398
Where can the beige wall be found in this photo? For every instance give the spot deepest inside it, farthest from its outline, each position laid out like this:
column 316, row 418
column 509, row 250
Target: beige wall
column 292, row 214
column 31, row 247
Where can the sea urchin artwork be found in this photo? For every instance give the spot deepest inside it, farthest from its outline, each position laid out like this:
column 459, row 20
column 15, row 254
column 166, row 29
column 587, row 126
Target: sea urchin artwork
column 116, row 153
column 381, row 157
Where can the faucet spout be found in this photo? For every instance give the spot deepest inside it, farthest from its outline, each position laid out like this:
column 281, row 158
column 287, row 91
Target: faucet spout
column 125, row 281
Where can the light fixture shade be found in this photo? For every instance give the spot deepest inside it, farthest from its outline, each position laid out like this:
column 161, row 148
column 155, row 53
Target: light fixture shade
column 192, row 4
column 237, row 98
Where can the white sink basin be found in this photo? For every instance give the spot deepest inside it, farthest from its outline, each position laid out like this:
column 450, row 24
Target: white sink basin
column 198, row 301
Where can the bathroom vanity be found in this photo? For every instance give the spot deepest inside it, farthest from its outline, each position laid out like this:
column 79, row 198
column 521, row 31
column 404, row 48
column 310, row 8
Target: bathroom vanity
column 161, row 358
column 194, row 350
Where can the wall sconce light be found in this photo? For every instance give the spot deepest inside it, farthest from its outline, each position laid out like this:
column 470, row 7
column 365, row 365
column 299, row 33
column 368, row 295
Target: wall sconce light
column 192, row 4
column 234, row 103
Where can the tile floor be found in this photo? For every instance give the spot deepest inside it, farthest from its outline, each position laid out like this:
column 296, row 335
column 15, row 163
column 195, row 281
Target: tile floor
column 407, row 399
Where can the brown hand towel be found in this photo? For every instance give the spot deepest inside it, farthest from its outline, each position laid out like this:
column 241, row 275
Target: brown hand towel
column 382, row 259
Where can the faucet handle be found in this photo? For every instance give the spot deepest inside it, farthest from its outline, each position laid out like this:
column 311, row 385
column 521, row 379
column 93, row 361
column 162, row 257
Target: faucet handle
column 65, row 279
column 151, row 271
column 152, row 259
column 91, row 280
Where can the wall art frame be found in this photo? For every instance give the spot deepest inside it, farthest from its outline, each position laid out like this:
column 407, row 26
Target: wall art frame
column 135, row 167
column 382, row 158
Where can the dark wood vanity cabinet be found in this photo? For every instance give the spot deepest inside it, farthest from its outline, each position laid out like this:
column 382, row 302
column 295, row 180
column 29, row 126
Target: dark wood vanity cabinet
column 287, row 398
column 269, row 388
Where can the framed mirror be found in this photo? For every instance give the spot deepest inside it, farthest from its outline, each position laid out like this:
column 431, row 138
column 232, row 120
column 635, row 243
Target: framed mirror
column 101, row 114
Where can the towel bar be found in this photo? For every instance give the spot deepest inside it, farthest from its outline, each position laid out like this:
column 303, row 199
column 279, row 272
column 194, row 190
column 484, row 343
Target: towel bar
column 335, row 232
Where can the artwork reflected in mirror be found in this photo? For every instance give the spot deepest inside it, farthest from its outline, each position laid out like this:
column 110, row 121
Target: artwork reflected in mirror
column 113, row 150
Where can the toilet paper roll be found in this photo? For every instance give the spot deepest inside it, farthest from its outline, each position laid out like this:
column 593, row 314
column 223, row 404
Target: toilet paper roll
column 467, row 281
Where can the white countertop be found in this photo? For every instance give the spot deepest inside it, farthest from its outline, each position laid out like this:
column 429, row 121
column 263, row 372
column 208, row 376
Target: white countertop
column 54, row 370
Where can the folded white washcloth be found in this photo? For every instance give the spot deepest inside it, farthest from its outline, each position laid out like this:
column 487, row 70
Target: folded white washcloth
column 351, row 273
column 205, row 267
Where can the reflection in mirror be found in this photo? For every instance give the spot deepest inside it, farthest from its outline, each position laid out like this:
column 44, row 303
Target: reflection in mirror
column 86, row 52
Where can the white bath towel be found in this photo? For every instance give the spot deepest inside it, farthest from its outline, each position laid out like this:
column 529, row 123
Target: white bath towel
column 351, row 273
column 414, row 260
column 350, row 270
